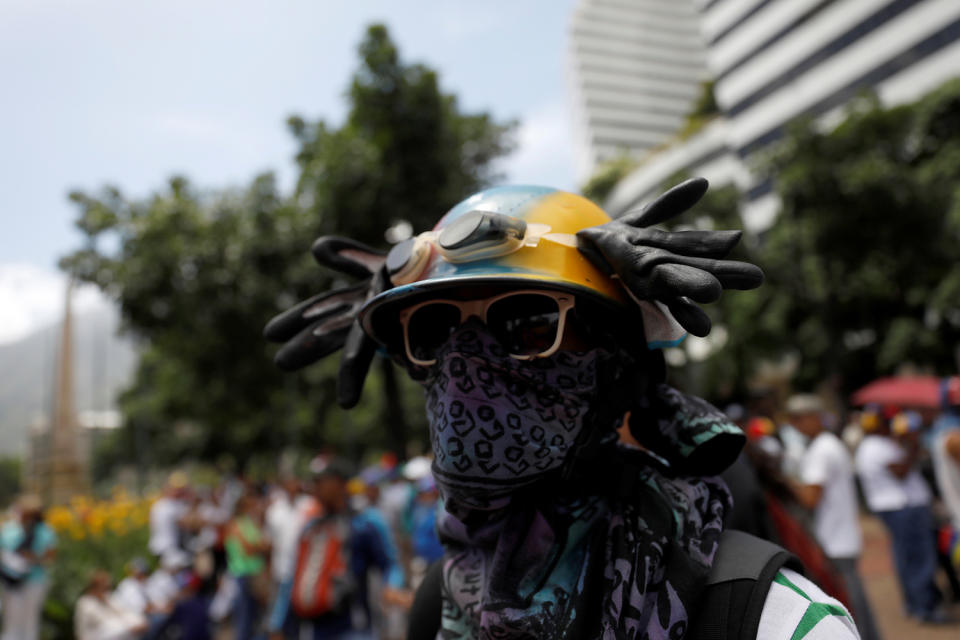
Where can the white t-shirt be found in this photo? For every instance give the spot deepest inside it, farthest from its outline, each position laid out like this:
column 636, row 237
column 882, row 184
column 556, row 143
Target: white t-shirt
column 94, row 619
column 164, row 530
column 883, row 490
column 285, row 521
column 826, row 463
column 162, row 589
column 131, row 595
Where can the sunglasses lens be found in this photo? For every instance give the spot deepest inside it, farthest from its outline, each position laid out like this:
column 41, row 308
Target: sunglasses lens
column 526, row 324
column 429, row 327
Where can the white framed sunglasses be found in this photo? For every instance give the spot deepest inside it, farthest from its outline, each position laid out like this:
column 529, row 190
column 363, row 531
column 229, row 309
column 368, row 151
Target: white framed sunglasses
column 528, row 323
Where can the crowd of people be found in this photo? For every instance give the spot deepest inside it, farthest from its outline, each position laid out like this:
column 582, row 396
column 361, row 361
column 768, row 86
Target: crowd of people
column 813, row 475
column 337, row 554
column 340, row 554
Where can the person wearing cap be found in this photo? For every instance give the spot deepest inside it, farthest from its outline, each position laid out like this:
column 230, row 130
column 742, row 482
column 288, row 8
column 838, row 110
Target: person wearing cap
column 535, row 325
column 827, row 488
column 131, row 592
column 28, row 547
column 166, row 515
column 895, row 491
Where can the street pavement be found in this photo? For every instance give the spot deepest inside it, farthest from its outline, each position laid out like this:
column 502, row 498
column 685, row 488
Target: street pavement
column 879, row 576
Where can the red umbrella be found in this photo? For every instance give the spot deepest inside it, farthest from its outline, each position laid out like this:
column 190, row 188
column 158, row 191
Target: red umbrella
column 916, row 391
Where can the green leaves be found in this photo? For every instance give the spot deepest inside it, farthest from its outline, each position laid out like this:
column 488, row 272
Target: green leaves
column 861, row 263
column 198, row 274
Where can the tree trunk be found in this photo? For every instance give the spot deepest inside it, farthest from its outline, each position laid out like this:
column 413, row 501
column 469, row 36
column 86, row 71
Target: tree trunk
column 394, row 418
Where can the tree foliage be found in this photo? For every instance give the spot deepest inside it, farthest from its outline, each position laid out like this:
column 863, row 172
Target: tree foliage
column 861, row 263
column 197, row 275
column 603, row 181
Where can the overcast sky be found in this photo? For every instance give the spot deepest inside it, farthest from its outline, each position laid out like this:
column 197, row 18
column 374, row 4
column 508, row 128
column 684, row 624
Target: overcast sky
column 128, row 93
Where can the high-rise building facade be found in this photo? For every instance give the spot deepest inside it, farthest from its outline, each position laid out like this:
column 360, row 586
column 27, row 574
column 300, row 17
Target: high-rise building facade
column 636, row 69
column 774, row 60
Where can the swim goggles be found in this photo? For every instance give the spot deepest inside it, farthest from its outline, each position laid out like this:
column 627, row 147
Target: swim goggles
column 476, row 235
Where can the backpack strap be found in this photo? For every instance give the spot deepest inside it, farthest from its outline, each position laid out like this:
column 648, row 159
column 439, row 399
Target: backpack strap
column 424, row 622
column 743, row 570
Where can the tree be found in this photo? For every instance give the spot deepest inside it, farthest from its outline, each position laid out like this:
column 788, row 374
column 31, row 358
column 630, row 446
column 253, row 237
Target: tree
column 197, row 275
column 11, row 473
column 605, row 179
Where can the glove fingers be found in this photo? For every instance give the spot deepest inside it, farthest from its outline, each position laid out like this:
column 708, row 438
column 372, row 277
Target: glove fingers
column 702, row 244
column 672, row 280
column 669, row 204
column 690, row 316
column 738, row 275
column 313, row 343
column 292, row 321
column 741, row 274
column 347, row 256
column 358, row 351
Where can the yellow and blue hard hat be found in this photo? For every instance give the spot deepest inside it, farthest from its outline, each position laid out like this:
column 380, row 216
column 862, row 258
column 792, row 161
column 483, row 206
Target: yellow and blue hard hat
column 510, row 236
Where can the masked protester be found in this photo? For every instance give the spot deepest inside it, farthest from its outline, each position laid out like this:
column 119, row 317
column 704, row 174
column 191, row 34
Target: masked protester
column 535, row 325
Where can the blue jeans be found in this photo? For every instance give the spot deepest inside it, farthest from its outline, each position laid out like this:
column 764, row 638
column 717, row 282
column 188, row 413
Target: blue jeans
column 246, row 611
column 914, row 557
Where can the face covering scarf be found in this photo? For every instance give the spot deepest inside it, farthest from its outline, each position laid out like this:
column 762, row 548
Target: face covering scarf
column 530, row 553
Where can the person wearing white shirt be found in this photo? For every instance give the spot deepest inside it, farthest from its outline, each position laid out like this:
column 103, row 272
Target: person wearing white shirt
column 898, row 495
column 289, row 511
column 162, row 588
column 827, row 488
column 131, row 593
column 165, row 515
column 96, row 617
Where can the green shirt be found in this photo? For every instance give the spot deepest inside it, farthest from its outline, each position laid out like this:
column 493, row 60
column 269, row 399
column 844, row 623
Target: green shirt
column 239, row 562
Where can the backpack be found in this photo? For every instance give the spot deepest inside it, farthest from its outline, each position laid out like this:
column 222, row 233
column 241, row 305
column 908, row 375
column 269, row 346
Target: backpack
column 736, row 589
column 14, row 568
column 322, row 581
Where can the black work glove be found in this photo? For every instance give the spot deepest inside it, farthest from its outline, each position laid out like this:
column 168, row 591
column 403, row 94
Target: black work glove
column 319, row 326
column 677, row 268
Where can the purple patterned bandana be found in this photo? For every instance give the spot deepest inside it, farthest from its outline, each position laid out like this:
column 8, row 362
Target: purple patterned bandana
column 496, row 423
column 530, row 553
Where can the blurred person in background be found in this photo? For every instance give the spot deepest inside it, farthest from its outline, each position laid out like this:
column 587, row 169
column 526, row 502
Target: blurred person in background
column 27, row 548
column 96, row 617
column 945, row 452
column 131, row 593
column 166, row 514
column 744, row 479
column 190, row 618
column 289, row 511
column 336, row 551
column 827, row 488
column 897, row 494
column 247, row 549
column 365, row 503
column 423, row 529
column 163, row 585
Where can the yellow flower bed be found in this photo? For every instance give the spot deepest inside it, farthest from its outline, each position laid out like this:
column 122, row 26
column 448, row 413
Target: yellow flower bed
column 93, row 534
column 87, row 517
